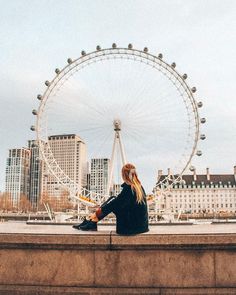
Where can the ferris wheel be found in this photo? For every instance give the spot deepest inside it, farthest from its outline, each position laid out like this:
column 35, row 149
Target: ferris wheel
column 126, row 104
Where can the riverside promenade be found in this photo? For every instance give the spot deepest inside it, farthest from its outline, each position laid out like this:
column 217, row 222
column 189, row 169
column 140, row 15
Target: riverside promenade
column 169, row 259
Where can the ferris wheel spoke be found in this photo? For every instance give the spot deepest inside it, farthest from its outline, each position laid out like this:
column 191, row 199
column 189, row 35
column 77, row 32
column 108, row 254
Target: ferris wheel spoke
column 86, row 98
column 103, row 141
column 155, row 104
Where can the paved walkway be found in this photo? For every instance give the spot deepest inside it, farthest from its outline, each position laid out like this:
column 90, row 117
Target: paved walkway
column 208, row 229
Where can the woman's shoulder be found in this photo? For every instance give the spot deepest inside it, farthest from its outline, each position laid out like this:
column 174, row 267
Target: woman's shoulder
column 125, row 186
column 126, row 189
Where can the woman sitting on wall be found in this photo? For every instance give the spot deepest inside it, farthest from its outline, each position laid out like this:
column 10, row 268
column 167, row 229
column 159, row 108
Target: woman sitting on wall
column 130, row 207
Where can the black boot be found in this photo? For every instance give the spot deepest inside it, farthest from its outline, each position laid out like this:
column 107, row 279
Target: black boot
column 89, row 226
column 78, row 225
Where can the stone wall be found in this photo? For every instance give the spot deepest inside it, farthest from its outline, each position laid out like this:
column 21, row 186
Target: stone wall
column 106, row 263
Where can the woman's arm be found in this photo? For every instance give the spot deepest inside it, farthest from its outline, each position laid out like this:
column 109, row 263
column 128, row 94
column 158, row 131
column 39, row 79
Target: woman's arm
column 111, row 206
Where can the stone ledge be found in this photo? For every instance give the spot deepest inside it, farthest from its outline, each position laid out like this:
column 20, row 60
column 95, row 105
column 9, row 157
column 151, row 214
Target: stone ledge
column 55, row 242
column 48, row 290
column 174, row 241
column 60, row 260
column 112, row 241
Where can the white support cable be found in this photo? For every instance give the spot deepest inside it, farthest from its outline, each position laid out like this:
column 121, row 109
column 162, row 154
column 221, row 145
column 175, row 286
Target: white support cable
column 122, row 151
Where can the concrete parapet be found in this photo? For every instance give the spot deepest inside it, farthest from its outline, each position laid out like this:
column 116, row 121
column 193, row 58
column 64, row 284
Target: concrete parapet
column 106, row 263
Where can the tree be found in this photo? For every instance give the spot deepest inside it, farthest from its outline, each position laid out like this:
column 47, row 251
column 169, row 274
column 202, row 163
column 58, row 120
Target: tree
column 43, row 200
column 6, row 202
column 65, row 203
column 24, row 204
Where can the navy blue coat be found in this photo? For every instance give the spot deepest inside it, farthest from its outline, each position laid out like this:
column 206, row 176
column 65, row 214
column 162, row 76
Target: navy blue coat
column 131, row 217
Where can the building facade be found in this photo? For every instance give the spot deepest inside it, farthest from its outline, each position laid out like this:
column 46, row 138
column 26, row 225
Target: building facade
column 199, row 193
column 70, row 153
column 116, row 189
column 17, row 174
column 35, row 177
column 99, row 174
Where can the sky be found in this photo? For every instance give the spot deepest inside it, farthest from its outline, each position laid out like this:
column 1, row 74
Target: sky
column 38, row 36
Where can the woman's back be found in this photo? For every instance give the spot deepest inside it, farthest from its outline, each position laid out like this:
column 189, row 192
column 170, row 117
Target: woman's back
column 132, row 217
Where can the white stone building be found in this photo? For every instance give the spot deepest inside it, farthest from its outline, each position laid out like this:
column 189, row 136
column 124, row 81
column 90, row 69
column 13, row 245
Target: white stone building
column 198, row 193
column 99, row 174
column 116, row 189
column 17, row 173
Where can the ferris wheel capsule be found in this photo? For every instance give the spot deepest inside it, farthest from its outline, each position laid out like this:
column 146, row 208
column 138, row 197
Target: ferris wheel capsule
column 114, row 45
column 145, row 49
column 194, row 89
column 130, row 46
column 199, row 153
column 98, row 47
column 192, row 168
column 83, row 53
column 34, row 112
column 57, row 71
column 199, row 104
column 32, row 128
column 203, row 120
column 69, row 60
column 47, row 83
column 185, row 76
column 39, row 97
column 202, row 136
column 173, row 65
column 160, row 55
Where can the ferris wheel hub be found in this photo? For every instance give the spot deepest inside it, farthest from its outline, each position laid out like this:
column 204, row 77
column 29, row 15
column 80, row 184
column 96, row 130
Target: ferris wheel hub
column 117, row 125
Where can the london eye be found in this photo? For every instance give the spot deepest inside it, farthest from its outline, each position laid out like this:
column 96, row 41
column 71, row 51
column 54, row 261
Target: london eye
column 128, row 105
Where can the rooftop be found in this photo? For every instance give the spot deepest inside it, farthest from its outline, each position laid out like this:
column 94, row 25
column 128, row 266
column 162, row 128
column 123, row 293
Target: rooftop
column 212, row 179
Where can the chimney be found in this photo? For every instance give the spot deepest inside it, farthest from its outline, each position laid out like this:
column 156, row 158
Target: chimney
column 159, row 174
column 235, row 173
column 168, row 171
column 208, row 174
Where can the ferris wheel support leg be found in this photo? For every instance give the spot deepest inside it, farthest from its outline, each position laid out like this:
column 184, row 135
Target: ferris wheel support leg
column 111, row 165
column 122, row 151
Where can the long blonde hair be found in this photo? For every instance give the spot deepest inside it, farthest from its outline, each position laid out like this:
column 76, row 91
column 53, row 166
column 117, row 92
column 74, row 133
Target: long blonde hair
column 130, row 177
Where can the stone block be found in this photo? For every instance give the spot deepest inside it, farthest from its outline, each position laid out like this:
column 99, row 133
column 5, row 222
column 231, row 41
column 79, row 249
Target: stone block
column 40, row 267
column 154, row 268
column 225, row 267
